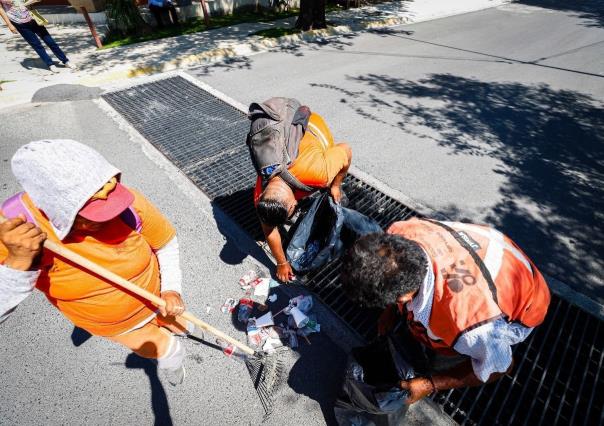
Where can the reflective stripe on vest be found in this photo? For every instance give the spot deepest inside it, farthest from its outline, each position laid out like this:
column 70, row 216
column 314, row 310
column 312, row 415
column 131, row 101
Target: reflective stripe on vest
column 314, row 129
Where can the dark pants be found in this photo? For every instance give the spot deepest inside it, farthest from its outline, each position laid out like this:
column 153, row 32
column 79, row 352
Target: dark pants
column 32, row 33
column 157, row 12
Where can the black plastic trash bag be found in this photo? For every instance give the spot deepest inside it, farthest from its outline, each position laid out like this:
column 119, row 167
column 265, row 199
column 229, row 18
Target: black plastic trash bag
column 324, row 232
column 370, row 393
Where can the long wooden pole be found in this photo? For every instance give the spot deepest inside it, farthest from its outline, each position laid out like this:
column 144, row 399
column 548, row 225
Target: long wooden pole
column 125, row 284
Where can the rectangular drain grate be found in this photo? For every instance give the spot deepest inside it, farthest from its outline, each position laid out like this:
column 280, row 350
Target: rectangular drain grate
column 558, row 377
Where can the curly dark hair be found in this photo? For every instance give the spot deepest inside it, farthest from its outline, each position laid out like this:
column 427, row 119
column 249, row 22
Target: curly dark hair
column 380, row 267
column 272, row 212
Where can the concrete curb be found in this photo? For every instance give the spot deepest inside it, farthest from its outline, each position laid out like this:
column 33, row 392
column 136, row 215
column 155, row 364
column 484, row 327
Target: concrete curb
column 258, row 45
column 261, row 44
column 378, row 16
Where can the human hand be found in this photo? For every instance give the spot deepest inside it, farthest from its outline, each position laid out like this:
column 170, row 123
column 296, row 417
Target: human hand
column 174, row 304
column 12, row 29
column 336, row 193
column 285, row 273
column 24, row 242
column 418, row 387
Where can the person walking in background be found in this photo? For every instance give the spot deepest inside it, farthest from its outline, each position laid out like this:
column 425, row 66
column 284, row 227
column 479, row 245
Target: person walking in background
column 157, row 7
column 19, row 18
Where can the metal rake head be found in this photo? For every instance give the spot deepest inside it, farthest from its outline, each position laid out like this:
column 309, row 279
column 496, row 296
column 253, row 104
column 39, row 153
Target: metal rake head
column 268, row 373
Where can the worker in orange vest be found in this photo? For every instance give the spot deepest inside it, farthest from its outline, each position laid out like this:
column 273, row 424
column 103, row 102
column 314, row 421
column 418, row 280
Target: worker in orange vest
column 320, row 164
column 73, row 197
column 466, row 292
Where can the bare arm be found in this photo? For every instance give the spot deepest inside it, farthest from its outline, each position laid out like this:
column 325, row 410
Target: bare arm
column 7, row 21
column 336, row 184
column 273, row 239
column 458, row 377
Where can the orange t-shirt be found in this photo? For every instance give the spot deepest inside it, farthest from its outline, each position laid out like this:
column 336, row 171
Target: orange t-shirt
column 89, row 301
column 318, row 162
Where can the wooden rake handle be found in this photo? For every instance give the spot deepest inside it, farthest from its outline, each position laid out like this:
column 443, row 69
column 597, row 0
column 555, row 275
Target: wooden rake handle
column 125, row 284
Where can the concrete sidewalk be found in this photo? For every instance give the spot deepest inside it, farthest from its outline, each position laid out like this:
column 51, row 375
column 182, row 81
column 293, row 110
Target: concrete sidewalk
column 26, row 73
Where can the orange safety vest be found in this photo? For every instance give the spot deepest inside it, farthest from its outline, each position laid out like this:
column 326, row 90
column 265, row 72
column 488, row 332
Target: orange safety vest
column 480, row 275
column 87, row 300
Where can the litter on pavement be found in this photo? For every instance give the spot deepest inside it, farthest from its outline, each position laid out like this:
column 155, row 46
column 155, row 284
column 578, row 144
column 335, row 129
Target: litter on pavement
column 298, row 320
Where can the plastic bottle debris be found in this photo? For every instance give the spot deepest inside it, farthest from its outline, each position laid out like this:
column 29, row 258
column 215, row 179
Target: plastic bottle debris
column 312, row 326
column 227, row 349
column 304, row 303
column 248, row 277
column 228, row 306
column 245, row 310
column 299, row 318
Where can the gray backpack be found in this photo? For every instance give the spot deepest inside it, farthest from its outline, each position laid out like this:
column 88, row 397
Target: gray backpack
column 277, row 126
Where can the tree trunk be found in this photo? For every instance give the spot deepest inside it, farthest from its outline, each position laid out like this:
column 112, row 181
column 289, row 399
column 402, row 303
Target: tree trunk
column 312, row 15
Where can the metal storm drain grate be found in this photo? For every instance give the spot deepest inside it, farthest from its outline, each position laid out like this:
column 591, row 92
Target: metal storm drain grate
column 558, row 377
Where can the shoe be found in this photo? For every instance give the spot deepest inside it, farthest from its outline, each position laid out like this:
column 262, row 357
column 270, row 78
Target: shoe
column 53, row 69
column 70, row 65
column 177, row 376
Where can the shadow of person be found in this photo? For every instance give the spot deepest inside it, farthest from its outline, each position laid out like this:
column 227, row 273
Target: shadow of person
column 232, row 212
column 159, row 399
column 79, row 336
column 31, row 63
column 321, row 362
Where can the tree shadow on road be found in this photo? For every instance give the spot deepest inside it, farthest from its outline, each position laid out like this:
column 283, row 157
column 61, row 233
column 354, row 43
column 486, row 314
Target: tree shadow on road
column 550, row 144
column 591, row 11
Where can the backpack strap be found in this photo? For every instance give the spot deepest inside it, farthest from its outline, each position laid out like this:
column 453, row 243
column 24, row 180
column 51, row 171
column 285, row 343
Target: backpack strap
column 294, row 182
column 14, row 206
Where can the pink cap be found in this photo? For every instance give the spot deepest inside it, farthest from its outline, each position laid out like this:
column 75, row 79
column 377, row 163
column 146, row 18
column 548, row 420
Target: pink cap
column 103, row 210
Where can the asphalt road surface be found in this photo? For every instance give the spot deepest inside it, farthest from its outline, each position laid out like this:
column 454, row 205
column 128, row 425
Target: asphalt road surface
column 494, row 116
column 53, row 373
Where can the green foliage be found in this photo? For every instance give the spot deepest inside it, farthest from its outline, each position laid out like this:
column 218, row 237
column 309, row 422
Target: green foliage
column 124, row 18
column 195, row 25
